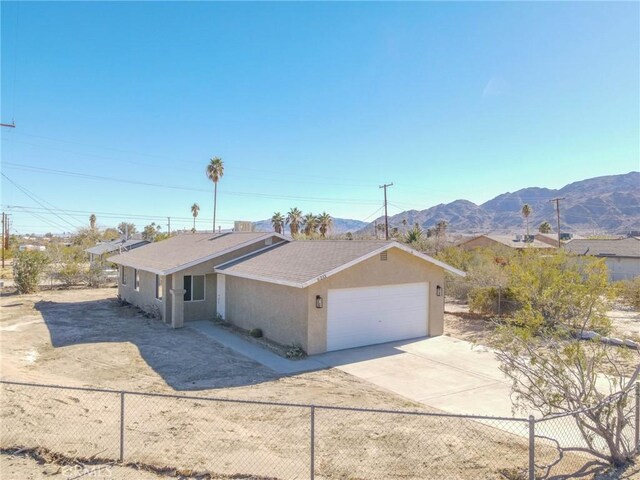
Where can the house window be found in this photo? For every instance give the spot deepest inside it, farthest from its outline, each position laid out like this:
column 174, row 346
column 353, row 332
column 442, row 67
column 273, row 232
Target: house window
column 136, row 276
column 123, row 274
column 194, row 288
column 158, row 287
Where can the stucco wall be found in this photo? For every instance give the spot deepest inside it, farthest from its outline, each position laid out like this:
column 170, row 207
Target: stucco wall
column 400, row 267
column 145, row 296
column 280, row 311
column 623, row 268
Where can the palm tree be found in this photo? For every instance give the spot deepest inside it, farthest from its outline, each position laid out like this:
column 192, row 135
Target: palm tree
column 278, row 220
column 310, row 224
column 195, row 210
column 545, row 227
column 92, row 221
column 326, row 222
column 526, row 211
column 215, row 171
column 294, row 219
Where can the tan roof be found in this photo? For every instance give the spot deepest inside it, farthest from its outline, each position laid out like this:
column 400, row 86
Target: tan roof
column 182, row 251
column 300, row 263
column 510, row 241
column 620, row 247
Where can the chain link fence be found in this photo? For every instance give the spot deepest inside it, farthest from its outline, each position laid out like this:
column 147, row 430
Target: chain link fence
column 253, row 439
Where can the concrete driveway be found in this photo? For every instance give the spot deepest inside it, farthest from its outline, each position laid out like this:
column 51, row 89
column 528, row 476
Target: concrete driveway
column 442, row 372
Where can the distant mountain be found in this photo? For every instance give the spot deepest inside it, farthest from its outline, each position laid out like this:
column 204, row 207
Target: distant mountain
column 609, row 204
column 340, row 226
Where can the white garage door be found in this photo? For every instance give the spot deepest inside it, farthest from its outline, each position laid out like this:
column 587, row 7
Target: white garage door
column 365, row 316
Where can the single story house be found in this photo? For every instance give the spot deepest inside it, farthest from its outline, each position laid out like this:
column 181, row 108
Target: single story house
column 621, row 255
column 100, row 251
column 321, row 295
column 516, row 241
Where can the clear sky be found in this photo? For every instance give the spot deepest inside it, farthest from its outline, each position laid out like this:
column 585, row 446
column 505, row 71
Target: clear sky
column 309, row 104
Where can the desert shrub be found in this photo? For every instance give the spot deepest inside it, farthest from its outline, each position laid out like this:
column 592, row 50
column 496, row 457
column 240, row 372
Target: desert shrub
column 95, row 276
column 70, row 274
column 492, row 301
column 256, row 333
column 28, row 267
column 295, row 351
column 629, row 292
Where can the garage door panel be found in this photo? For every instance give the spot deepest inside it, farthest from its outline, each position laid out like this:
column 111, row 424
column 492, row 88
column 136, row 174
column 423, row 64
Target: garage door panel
column 366, row 316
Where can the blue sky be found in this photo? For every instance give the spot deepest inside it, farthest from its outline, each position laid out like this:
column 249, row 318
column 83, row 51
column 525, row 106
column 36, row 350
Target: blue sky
column 309, row 104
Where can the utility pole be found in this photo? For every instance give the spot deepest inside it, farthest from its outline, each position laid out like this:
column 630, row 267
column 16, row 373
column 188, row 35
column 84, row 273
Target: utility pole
column 557, row 200
column 4, row 244
column 169, row 225
column 386, row 218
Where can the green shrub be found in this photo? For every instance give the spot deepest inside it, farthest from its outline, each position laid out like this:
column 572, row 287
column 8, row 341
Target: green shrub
column 629, row 292
column 70, row 274
column 28, row 267
column 484, row 301
column 256, row 333
column 295, row 351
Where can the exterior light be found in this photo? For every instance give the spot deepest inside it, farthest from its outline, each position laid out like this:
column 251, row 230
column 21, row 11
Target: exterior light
column 318, row 301
column 438, row 291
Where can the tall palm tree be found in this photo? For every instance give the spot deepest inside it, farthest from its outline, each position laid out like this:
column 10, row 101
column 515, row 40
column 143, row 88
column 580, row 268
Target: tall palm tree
column 215, row 171
column 326, row 222
column 526, row 211
column 294, row 219
column 310, row 223
column 278, row 220
column 92, row 221
column 195, row 210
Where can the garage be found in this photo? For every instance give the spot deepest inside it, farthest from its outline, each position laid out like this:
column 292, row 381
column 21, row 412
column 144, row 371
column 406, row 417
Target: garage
column 370, row 315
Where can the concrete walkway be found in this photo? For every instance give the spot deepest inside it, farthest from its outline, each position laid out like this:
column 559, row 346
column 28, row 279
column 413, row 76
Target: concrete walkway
column 442, row 372
column 255, row 352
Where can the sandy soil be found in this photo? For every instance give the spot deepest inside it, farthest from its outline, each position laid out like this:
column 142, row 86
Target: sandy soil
column 84, row 338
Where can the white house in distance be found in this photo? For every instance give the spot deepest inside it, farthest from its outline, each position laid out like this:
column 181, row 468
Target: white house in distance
column 622, row 255
column 319, row 294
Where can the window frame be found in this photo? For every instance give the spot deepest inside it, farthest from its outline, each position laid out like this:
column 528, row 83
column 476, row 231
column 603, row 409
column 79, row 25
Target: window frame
column 159, row 288
column 136, row 280
column 123, row 275
column 190, row 289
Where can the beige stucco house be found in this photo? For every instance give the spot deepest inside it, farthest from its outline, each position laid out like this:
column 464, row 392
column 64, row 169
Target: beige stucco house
column 621, row 255
column 321, row 295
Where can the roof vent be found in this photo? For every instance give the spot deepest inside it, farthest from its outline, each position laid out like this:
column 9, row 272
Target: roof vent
column 383, row 256
column 268, row 241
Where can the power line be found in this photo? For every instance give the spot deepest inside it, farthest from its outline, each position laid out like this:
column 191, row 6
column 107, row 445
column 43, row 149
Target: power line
column 351, row 201
column 33, row 197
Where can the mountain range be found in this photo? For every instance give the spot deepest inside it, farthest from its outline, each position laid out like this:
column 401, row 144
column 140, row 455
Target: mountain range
column 608, row 204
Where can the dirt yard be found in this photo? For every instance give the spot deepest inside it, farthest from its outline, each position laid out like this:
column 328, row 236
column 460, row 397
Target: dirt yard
column 85, row 338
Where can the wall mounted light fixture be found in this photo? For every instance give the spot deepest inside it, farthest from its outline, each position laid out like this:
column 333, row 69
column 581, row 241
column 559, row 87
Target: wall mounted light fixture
column 438, row 291
column 318, row 301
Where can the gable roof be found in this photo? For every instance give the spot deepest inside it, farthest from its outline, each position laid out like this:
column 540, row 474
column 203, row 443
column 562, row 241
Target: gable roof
column 510, row 241
column 620, row 247
column 303, row 263
column 116, row 246
column 186, row 250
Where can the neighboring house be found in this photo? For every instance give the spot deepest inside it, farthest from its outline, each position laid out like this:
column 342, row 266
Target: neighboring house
column 100, row 251
column 29, row 248
column 512, row 241
column 321, row 295
column 621, row 255
column 552, row 238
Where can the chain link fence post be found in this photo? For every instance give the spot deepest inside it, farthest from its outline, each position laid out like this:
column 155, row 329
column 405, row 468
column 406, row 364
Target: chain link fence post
column 312, row 451
column 121, row 427
column 532, row 448
column 637, row 419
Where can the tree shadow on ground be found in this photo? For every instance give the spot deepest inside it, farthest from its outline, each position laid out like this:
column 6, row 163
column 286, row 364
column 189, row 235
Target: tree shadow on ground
column 185, row 359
